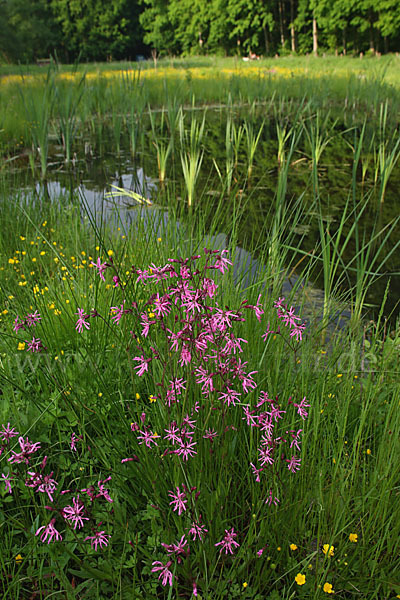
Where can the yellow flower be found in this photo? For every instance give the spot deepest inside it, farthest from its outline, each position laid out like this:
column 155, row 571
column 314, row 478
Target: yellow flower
column 368, row 451
column 11, row 261
column 110, row 252
column 152, row 399
column 293, row 547
column 18, row 559
column 300, row 579
column 137, row 396
column 245, row 584
column 353, row 537
column 329, row 550
column 21, row 346
column 328, row 588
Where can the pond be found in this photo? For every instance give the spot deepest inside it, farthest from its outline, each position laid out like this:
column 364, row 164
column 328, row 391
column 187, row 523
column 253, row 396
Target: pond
column 297, row 176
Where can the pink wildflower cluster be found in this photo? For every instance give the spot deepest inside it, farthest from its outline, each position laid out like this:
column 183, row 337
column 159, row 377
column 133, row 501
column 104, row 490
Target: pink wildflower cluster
column 289, row 319
column 180, row 550
column 30, row 320
column 75, row 514
column 190, row 336
column 265, row 416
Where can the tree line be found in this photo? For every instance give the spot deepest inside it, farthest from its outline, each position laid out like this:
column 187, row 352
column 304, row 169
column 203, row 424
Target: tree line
column 123, row 29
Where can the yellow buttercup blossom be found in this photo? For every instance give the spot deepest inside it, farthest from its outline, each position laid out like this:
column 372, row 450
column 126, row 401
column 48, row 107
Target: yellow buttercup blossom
column 300, row 579
column 328, row 588
column 293, row 547
column 329, row 550
column 353, row 537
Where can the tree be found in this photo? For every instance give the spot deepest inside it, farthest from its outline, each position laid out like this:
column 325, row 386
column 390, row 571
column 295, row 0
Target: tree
column 250, row 22
column 28, row 30
column 158, row 30
column 94, row 29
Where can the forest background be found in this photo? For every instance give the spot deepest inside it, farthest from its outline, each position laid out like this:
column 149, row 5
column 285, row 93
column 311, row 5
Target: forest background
column 128, row 29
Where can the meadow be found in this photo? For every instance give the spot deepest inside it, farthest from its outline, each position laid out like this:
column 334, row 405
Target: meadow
column 173, row 424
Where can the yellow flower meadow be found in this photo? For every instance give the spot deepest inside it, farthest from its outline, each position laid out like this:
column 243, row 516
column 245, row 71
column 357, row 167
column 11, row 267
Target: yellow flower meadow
column 353, row 537
column 300, row 579
column 329, row 550
column 328, row 588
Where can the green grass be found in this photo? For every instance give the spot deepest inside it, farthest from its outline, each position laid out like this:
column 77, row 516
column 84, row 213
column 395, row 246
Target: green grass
column 85, row 383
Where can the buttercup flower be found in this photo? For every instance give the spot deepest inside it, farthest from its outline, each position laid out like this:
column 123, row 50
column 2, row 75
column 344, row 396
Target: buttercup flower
column 329, row 550
column 300, row 579
column 328, row 588
column 353, row 537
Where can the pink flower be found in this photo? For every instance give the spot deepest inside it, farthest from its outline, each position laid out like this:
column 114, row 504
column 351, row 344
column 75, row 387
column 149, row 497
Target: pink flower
column 197, row 531
column 44, row 483
column 271, row 499
column 294, row 464
column 143, row 365
column 35, row 345
column 178, row 548
column 27, row 448
column 256, row 472
column 81, row 322
column 297, row 331
column 228, row 541
column 18, row 324
column 49, row 531
column 267, row 333
column 75, row 513
column 148, row 438
column 301, row 408
column 103, row 491
column 210, row 434
column 100, row 538
column 118, row 312
column 8, row 433
column 74, row 438
column 32, row 319
column 146, row 324
column 179, row 500
column 229, row 397
column 222, row 263
column 101, row 267
column 295, row 439
column 7, row 482
column 162, row 305
column 166, row 574
column 185, row 357
column 186, row 449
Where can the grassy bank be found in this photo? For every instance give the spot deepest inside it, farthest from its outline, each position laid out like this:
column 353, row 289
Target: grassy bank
column 33, row 98
column 324, row 515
